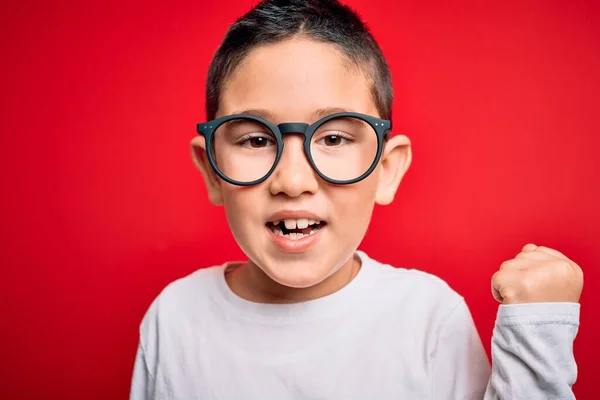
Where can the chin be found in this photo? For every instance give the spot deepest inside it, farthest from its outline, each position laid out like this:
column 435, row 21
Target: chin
column 297, row 274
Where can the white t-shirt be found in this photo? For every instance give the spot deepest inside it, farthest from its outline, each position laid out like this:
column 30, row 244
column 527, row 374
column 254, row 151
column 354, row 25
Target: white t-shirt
column 391, row 333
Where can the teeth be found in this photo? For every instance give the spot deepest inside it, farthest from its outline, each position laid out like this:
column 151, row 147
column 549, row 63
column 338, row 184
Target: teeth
column 293, row 235
column 297, row 223
column 290, row 223
column 296, row 236
column 302, row 223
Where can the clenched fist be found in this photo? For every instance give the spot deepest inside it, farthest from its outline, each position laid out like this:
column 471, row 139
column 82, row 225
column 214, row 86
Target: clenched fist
column 538, row 275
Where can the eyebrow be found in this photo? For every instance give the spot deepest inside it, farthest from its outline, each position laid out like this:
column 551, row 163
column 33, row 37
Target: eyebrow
column 257, row 113
column 317, row 115
column 323, row 112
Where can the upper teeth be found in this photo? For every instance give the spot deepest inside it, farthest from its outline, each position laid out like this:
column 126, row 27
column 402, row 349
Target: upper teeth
column 297, row 223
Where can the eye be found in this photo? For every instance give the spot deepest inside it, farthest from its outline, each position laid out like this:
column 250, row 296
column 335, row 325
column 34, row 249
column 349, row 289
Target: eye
column 334, row 140
column 255, row 142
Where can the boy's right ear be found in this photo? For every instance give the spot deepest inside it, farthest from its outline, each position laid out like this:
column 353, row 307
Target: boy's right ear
column 212, row 181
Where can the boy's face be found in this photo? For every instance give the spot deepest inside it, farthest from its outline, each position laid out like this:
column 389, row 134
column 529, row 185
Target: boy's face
column 297, row 81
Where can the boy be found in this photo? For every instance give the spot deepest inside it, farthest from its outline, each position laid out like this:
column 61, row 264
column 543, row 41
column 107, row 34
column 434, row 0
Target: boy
column 298, row 150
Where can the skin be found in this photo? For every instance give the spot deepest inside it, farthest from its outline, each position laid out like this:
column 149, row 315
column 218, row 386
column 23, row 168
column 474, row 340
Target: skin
column 538, row 274
column 307, row 79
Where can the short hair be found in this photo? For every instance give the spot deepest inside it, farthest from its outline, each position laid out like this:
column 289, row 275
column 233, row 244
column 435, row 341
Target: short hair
column 326, row 21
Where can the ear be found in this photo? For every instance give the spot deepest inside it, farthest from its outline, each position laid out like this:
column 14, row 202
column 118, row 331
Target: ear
column 396, row 158
column 211, row 180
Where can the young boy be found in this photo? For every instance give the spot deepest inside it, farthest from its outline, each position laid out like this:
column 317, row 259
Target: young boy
column 298, row 150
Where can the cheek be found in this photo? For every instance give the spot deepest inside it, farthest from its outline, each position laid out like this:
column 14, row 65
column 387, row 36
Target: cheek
column 355, row 205
column 241, row 208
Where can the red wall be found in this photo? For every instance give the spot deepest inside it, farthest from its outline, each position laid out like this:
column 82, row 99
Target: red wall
column 102, row 207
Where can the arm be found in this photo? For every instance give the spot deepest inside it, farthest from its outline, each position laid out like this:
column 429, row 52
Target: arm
column 460, row 368
column 142, row 383
column 532, row 351
column 144, row 370
column 532, row 345
column 532, row 354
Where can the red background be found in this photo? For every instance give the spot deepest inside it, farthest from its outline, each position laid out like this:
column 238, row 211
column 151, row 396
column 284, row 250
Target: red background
column 102, row 207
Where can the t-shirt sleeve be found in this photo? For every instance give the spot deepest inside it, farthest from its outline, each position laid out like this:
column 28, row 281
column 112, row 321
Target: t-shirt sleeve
column 532, row 352
column 460, row 368
column 142, row 383
column 144, row 370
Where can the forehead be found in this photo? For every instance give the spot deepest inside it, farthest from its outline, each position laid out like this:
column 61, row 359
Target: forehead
column 293, row 79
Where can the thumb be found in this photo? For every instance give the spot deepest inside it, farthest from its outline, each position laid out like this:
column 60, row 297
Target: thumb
column 529, row 247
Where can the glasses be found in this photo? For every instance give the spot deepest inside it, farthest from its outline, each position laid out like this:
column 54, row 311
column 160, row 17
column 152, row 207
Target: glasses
column 343, row 148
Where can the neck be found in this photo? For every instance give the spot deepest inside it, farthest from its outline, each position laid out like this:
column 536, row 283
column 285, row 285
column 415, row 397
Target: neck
column 251, row 283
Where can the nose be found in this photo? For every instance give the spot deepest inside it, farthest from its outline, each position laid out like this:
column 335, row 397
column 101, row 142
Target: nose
column 293, row 175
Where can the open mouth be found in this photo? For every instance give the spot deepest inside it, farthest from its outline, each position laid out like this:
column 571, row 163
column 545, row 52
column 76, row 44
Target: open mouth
column 296, row 228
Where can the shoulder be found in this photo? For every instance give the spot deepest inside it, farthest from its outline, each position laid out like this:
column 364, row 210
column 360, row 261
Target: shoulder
column 410, row 281
column 415, row 292
column 191, row 288
column 181, row 299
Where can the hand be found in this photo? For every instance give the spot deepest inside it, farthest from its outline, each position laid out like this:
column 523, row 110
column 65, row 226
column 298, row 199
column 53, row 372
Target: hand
column 538, row 275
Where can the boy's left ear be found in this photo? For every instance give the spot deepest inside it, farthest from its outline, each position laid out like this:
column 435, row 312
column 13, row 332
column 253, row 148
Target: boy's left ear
column 396, row 158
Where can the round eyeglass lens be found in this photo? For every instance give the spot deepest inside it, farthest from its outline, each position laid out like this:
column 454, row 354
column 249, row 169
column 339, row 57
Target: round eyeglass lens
column 244, row 150
column 344, row 148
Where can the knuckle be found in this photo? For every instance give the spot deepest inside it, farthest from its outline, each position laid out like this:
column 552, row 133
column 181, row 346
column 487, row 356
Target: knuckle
column 548, row 250
column 498, row 277
column 576, row 272
column 562, row 266
column 512, row 292
column 524, row 256
column 495, row 276
column 505, row 265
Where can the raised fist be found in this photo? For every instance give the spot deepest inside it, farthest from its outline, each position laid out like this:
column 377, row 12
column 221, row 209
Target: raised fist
column 538, row 275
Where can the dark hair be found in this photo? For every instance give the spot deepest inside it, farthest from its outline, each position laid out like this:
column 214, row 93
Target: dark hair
column 328, row 21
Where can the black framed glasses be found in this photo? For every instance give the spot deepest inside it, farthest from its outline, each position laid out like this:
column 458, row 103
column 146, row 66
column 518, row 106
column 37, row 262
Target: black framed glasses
column 343, row 148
